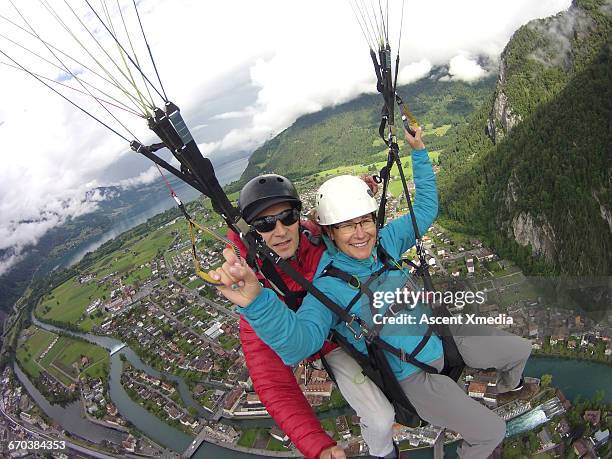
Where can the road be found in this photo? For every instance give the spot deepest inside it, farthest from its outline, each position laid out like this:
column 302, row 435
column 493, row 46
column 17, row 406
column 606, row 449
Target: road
column 57, row 437
column 195, row 296
column 161, row 394
column 213, row 343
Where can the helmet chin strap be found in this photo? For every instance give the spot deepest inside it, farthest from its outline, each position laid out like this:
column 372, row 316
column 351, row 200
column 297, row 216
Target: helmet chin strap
column 297, row 248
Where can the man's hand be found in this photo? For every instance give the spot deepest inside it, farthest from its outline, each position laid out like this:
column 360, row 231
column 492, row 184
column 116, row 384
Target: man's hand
column 333, row 452
column 415, row 141
column 240, row 285
column 370, row 183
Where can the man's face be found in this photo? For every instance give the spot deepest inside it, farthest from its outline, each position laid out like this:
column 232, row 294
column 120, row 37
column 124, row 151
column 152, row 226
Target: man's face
column 282, row 239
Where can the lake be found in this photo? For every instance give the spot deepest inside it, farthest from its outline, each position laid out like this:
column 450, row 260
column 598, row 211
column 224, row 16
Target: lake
column 226, row 173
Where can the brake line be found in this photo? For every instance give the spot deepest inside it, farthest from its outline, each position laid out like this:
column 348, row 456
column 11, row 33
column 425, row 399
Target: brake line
column 193, row 224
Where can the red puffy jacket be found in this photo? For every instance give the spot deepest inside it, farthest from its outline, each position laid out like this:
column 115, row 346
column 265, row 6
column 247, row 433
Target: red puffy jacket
column 274, row 381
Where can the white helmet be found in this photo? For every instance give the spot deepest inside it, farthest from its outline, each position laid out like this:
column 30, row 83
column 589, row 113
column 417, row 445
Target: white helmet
column 343, row 198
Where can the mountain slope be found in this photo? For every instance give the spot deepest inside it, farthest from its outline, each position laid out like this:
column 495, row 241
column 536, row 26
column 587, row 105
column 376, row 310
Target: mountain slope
column 59, row 245
column 539, row 185
column 347, row 134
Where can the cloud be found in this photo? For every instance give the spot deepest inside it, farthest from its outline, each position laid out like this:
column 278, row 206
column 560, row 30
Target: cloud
column 17, row 235
column 465, row 69
column 414, row 71
column 146, row 177
column 560, row 33
column 296, row 58
column 233, row 115
column 199, row 126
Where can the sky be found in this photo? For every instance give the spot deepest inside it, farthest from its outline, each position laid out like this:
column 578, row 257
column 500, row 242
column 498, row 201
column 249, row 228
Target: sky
column 241, row 71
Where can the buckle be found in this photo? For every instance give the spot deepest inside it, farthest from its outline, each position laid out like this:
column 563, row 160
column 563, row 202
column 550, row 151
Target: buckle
column 354, row 283
column 393, row 310
column 349, row 326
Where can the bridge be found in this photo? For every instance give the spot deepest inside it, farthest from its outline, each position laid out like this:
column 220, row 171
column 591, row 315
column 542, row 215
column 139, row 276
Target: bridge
column 117, row 348
column 195, row 444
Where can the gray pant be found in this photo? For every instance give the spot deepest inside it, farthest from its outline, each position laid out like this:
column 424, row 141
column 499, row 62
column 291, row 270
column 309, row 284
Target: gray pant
column 376, row 413
column 438, row 399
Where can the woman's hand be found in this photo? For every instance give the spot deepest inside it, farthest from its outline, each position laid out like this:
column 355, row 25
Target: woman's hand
column 415, row 141
column 240, row 284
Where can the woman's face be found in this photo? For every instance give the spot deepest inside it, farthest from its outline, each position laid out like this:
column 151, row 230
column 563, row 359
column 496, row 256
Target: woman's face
column 356, row 237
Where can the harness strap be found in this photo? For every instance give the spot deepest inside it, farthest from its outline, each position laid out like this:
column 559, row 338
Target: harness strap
column 353, row 281
column 327, row 367
column 383, row 125
column 315, row 292
column 391, row 311
column 401, row 354
column 293, row 299
column 373, row 338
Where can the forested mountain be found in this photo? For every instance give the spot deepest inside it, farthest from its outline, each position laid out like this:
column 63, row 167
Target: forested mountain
column 348, row 133
column 531, row 170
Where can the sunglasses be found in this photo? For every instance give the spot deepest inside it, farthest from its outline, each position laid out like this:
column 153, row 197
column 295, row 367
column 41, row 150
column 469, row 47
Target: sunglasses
column 268, row 223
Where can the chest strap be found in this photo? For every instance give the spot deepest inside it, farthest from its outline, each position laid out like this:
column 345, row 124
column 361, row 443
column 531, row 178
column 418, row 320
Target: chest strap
column 373, row 338
column 293, row 299
column 363, row 288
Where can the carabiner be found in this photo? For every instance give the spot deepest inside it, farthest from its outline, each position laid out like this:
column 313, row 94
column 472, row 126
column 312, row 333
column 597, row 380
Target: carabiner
column 349, row 326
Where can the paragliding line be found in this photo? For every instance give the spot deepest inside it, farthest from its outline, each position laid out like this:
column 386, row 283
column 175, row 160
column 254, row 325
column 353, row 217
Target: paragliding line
column 64, row 97
column 150, row 53
column 126, row 53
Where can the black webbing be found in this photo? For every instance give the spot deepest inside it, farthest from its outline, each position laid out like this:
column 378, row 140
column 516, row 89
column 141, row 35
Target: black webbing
column 267, row 253
column 410, row 358
column 147, row 151
column 292, row 299
column 354, row 282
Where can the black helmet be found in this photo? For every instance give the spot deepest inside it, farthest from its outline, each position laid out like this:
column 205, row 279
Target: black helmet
column 264, row 191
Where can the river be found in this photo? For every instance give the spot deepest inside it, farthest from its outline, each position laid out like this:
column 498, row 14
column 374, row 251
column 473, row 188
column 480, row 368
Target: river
column 571, row 376
column 69, row 417
column 144, row 421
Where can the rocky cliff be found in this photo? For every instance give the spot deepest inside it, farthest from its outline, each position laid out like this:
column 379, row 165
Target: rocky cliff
column 532, row 168
column 553, row 44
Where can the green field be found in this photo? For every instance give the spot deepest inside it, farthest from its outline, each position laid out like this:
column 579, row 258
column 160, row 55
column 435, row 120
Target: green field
column 329, row 425
column 136, row 252
column 276, row 445
column 28, row 351
column 517, row 293
column 138, row 275
column 197, row 282
column 355, row 169
column 39, row 341
column 439, row 131
column 67, row 302
column 58, row 361
column 248, row 437
column 90, row 322
column 49, row 362
column 140, row 250
column 75, row 349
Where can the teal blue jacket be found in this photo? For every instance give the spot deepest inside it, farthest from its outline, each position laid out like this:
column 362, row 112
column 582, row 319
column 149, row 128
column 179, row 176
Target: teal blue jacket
column 297, row 335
